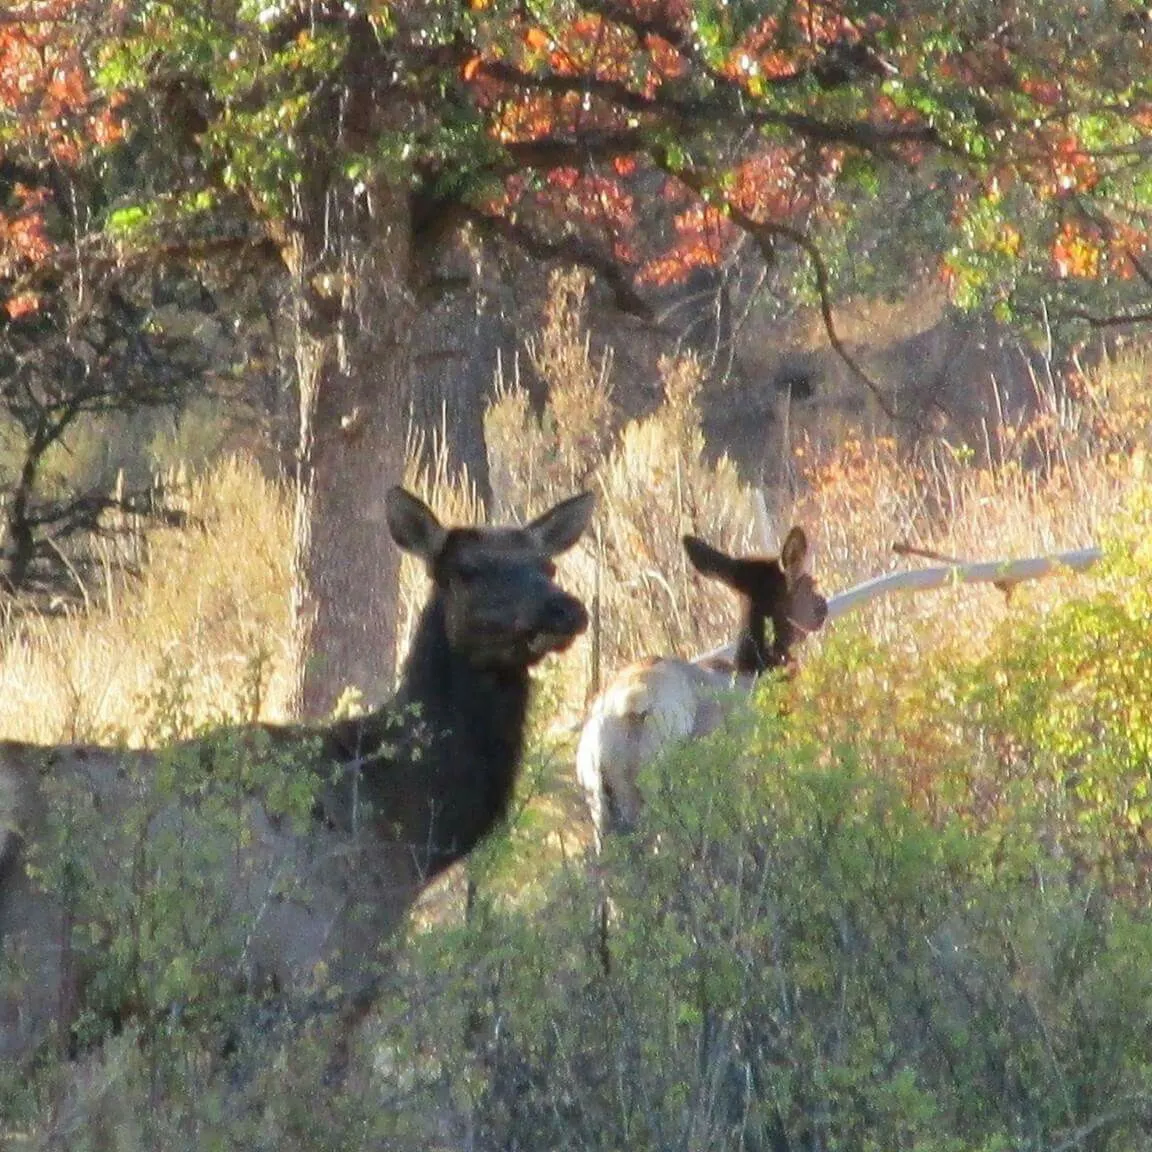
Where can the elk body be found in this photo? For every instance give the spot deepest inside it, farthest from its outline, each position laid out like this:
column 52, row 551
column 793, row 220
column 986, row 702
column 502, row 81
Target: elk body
column 297, row 899
column 652, row 703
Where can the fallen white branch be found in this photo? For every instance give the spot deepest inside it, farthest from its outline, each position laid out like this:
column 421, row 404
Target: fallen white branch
column 1002, row 573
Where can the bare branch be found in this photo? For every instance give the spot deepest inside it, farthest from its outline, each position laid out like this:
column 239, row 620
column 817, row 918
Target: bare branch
column 823, row 288
column 98, row 257
column 571, row 151
column 1094, row 320
column 1142, row 270
column 764, row 233
column 568, row 249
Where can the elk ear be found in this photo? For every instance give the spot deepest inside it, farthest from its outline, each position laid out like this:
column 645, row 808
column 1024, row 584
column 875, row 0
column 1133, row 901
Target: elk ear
column 560, row 527
column 709, row 561
column 794, row 555
column 414, row 525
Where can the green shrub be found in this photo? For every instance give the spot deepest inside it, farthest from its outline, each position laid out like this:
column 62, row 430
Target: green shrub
column 915, row 920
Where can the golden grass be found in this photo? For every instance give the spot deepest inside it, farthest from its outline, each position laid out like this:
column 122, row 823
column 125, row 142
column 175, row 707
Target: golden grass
column 1059, row 481
column 208, row 617
column 1056, row 482
column 209, row 613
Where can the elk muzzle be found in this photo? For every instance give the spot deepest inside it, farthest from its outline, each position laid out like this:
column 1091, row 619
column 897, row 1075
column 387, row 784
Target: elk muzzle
column 560, row 620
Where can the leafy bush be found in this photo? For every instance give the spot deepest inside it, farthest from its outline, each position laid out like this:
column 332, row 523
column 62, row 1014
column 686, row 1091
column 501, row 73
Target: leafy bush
column 921, row 925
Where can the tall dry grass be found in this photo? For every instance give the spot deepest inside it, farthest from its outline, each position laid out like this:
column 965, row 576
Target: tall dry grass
column 210, row 610
column 1055, row 481
column 207, row 618
column 653, row 485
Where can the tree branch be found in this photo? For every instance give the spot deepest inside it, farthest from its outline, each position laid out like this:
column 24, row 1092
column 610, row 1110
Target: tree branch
column 569, row 249
column 1107, row 226
column 1094, row 320
column 730, row 106
column 1142, row 270
column 844, row 61
column 615, row 92
column 548, row 152
column 763, row 233
column 96, row 258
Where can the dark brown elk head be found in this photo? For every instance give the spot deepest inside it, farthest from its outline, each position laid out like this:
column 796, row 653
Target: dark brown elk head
column 500, row 602
column 778, row 590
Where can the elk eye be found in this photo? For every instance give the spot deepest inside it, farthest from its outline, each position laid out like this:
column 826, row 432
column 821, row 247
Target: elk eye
column 467, row 571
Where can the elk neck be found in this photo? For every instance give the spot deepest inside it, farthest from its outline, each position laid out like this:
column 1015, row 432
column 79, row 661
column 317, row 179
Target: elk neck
column 754, row 655
column 481, row 707
column 440, row 760
column 750, row 654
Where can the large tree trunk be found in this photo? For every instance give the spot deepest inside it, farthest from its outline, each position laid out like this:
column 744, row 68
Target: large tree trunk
column 350, row 253
column 455, row 357
column 354, row 324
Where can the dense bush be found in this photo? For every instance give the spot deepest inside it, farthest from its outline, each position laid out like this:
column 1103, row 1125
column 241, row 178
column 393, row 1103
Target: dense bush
column 821, row 941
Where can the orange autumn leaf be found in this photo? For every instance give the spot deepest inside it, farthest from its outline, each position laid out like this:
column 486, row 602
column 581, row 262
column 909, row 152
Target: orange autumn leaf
column 22, row 304
column 1075, row 254
column 537, row 38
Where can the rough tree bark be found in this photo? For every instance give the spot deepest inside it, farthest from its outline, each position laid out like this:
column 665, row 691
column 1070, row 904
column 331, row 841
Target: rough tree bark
column 349, row 250
column 354, row 322
column 457, row 343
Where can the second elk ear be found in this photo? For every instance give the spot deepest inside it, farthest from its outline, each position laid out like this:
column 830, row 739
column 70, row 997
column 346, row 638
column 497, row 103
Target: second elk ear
column 560, row 527
column 794, row 555
column 708, row 561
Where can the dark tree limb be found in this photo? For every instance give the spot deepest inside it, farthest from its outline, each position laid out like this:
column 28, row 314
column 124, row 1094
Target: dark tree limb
column 729, row 104
column 571, row 250
column 1102, row 322
column 841, row 63
column 59, row 365
column 764, row 234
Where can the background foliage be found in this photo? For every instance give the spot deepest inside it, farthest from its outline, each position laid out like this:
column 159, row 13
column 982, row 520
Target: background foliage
column 900, row 902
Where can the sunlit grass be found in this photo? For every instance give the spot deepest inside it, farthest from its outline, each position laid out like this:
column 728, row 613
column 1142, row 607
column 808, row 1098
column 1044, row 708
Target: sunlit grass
column 212, row 600
column 211, row 605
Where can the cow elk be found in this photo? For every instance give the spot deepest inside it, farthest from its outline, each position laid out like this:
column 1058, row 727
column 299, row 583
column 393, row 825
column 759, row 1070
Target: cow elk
column 650, row 704
column 296, row 895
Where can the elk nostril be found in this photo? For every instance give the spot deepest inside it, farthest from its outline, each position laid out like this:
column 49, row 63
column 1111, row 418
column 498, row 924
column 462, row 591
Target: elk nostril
column 564, row 617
